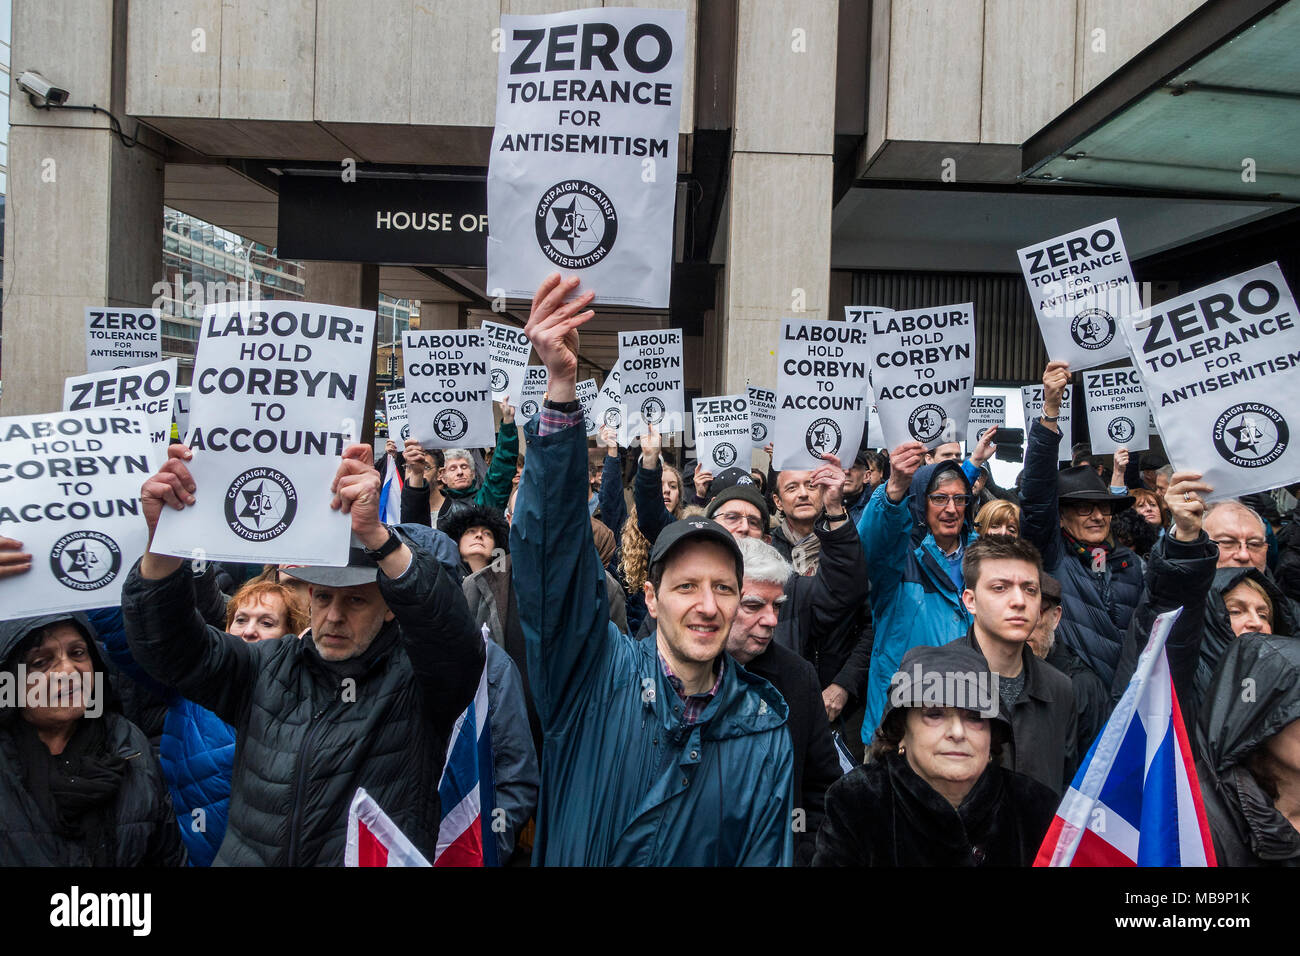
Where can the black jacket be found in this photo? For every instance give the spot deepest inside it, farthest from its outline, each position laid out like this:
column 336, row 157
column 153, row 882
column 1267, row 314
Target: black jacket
column 1247, row 829
column 816, row 763
column 1092, row 703
column 144, row 829
column 883, row 814
column 308, row 736
column 1044, row 723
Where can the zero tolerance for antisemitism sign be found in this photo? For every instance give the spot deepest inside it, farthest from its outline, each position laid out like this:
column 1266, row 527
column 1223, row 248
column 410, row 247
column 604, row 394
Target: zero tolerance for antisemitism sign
column 508, row 351
column 70, row 492
column 1117, row 410
column 448, row 395
column 583, row 171
column 650, row 365
column 147, row 389
column 1222, row 368
column 121, row 338
column 399, row 425
column 279, row 391
column 1031, row 396
column 821, row 405
column 532, row 392
column 762, row 415
column 1081, row 285
column 722, row 434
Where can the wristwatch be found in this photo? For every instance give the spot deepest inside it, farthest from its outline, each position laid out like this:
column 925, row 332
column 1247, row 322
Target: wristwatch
column 1049, row 418
column 567, row 407
column 385, row 549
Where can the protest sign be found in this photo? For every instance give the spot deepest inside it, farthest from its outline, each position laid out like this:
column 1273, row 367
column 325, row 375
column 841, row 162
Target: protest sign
column 1081, row 284
column 722, row 433
column 1117, row 410
column 508, row 351
column 399, row 425
column 608, row 408
column 986, row 411
column 1222, row 368
column 182, row 403
column 821, row 405
column 651, row 371
column 1031, row 396
column 923, row 373
column 762, row 415
column 71, row 494
column 147, row 389
column 279, row 392
column 875, row 432
column 448, row 399
column 582, row 175
column 860, row 313
column 586, row 392
column 122, row 338
column 532, row 392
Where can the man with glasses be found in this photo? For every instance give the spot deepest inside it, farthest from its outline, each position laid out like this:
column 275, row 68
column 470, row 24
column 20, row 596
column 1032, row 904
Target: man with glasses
column 1240, row 533
column 1067, row 516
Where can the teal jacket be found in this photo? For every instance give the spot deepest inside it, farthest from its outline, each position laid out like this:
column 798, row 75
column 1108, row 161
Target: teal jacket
column 624, row 783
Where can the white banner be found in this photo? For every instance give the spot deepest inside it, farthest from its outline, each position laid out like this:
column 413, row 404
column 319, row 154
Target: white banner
column 608, row 408
column 147, row 389
column 122, row 338
column 508, row 352
column 399, row 425
column 821, row 405
column 762, row 415
column 182, row 411
column 722, row 433
column 532, row 393
column 279, row 392
column 923, row 373
column 1222, row 367
column 1081, row 284
column 586, row 392
column 1117, row 410
column 1031, row 397
column 651, row 369
column 583, row 171
column 70, row 492
column 448, row 398
column 985, row 412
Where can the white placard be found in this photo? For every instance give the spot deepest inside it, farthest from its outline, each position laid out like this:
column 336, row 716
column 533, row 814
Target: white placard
column 586, row 392
column 1117, row 410
column 399, row 424
column 583, row 171
column 923, row 373
column 608, row 408
column 508, row 352
column 122, row 338
column 182, row 411
column 875, row 431
column 651, row 369
column 448, row 398
column 532, row 393
column 70, row 492
column 722, row 434
column 762, row 415
column 985, row 412
column 147, row 389
column 279, row 392
column 860, row 313
column 1031, row 397
column 821, row 405
column 1081, row 284
column 1222, row 368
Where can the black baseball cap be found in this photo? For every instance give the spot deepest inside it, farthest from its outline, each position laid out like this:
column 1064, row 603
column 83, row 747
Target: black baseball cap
column 732, row 484
column 689, row 529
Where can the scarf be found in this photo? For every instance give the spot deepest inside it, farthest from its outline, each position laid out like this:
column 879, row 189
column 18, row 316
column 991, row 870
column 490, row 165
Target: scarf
column 804, row 553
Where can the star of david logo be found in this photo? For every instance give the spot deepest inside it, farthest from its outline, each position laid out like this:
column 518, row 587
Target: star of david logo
column 1248, row 434
column 259, row 503
column 83, row 561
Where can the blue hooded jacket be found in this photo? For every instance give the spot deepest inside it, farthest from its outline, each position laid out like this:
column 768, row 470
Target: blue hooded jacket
column 913, row 598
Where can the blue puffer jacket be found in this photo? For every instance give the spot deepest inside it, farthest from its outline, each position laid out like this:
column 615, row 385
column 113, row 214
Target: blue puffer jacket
column 913, row 600
column 624, row 781
column 198, row 756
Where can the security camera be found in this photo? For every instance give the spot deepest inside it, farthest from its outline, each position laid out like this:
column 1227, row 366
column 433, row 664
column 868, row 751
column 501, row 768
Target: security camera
column 40, row 90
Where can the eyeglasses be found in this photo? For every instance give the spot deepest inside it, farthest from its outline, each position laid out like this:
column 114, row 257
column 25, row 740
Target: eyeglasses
column 941, row 501
column 1232, row 544
column 1085, row 508
column 733, row 517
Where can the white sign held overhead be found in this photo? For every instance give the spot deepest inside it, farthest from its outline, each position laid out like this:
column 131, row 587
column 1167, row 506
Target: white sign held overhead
column 1117, row 410
column 583, row 171
column 1031, row 396
column 1222, row 368
column 762, row 415
column 508, row 351
column 586, row 392
column 146, row 389
column 448, row 398
column 923, row 373
column 608, row 408
column 986, row 411
column 182, row 416
column 651, row 369
column 399, row 425
column 821, row 402
column 722, row 432
column 860, row 313
column 122, row 338
column 1081, row 285
column 532, row 393
column 279, row 393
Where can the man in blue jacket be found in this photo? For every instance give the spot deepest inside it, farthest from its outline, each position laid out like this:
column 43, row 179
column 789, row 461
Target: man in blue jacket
column 659, row 752
column 914, row 531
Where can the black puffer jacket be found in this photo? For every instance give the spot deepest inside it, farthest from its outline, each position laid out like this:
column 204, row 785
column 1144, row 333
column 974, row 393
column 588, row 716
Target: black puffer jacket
column 306, row 738
column 144, row 826
column 1247, row 829
column 1218, row 626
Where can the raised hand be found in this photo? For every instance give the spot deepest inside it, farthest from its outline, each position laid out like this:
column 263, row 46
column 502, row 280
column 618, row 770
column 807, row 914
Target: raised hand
column 553, row 329
column 830, row 478
column 1183, row 499
column 903, row 462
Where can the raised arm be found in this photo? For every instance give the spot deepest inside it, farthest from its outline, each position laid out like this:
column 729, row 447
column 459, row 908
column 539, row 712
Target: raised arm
column 1040, row 519
column 647, row 489
column 501, row 474
column 885, row 527
column 613, row 506
column 415, row 490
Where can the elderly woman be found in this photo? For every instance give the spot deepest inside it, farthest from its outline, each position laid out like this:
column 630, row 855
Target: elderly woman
column 78, row 783
column 933, row 793
column 480, row 533
column 998, row 517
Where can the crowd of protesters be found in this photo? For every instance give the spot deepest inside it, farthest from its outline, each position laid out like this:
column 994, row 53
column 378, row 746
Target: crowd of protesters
column 684, row 668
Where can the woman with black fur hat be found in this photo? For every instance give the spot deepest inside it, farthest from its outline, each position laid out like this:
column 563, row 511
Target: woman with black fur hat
column 480, row 532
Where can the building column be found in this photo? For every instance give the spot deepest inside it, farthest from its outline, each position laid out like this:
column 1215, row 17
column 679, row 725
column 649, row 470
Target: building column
column 83, row 221
column 779, row 221
column 354, row 285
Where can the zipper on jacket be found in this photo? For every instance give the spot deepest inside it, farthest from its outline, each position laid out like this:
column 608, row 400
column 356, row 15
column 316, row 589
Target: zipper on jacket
column 300, row 784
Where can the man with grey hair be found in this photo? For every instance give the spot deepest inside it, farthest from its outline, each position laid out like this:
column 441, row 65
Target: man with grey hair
column 816, row 764
column 1240, row 533
column 431, row 495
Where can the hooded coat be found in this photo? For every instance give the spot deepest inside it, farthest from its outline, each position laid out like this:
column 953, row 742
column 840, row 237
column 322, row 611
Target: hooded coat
column 144, row 831
column 493, row 491
column 1247, row 829
column 913, row 597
